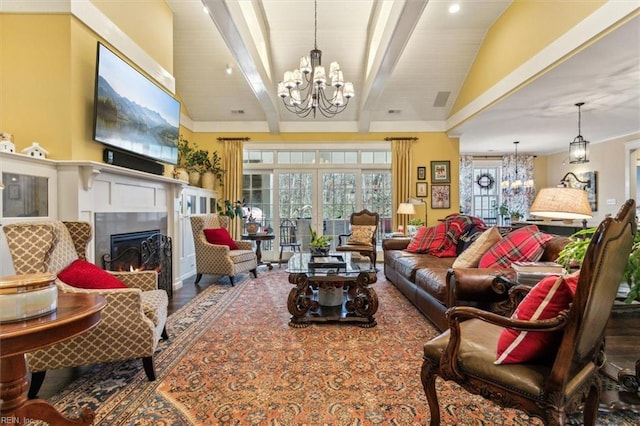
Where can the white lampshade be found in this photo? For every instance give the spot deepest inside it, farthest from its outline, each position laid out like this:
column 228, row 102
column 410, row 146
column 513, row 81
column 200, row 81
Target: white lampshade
column 561, row 203
column 406, row 208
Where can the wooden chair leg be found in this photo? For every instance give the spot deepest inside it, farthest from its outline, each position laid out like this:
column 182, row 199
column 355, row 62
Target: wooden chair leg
column 231, row 279
column 198, row 278
column 429, row 385
column 149, row 368
column 280, row 258
column 164, row 335
column 591, row 406
column 255, row 273
column 37, row 378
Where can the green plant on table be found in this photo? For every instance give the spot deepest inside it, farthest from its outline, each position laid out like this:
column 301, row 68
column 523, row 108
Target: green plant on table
column 416, row 222
column 572, row 254
column 318, row 241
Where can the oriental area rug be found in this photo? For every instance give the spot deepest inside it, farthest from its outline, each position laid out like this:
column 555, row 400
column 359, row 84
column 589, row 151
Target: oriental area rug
column 232, row 359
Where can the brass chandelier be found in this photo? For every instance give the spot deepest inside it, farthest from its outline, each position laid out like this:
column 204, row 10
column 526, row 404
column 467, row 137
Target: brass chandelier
column 303, row 90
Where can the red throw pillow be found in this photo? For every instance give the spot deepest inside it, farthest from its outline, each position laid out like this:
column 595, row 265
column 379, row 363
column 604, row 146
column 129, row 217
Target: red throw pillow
column 545, row 300
column 83, row 274
column 432, row 240
column 220, row 236
column 524, row 244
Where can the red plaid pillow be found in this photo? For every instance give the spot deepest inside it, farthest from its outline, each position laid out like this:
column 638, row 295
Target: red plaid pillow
column 524, row 244
column 545, row 300
column 432, row 240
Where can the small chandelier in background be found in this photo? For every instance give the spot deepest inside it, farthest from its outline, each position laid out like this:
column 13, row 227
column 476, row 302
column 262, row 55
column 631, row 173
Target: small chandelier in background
column 517, row 185
column 303, row 90
column 579, row 148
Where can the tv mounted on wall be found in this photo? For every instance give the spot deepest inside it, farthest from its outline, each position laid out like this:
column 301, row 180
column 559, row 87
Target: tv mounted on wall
column 131, row 113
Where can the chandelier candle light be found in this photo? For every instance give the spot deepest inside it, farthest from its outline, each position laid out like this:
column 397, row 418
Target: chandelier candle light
column 517, row 183
column 311, row 80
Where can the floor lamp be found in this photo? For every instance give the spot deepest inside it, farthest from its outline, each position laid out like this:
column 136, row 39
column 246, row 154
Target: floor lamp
column 567, row 204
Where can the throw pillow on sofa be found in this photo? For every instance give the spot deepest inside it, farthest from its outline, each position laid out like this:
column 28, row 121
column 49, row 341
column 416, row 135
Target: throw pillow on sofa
column 432, row 240
column 525, row 244
column 219, row 236
column 545, row 300
column 471, row 256
column 83, row 274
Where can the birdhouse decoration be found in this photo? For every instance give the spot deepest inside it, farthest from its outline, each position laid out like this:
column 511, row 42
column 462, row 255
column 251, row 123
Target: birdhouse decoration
column 6, row 143
column 36, row 151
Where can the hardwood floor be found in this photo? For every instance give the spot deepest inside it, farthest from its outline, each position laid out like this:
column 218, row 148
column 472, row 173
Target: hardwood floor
column 55, row 380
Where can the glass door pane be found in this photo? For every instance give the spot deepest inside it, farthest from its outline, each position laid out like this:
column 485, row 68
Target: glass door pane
column 295, row 202
column 339, row 199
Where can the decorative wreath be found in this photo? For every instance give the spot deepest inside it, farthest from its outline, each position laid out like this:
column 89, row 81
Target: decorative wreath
column 485, row 180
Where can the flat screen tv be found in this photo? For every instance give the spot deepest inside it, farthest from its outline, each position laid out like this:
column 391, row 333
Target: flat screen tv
column 131, row 113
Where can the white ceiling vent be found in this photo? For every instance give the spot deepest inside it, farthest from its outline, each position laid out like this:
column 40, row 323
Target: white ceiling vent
column 441, row 99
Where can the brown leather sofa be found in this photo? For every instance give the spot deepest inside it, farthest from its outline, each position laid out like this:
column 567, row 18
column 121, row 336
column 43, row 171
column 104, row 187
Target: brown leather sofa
column 433, row 286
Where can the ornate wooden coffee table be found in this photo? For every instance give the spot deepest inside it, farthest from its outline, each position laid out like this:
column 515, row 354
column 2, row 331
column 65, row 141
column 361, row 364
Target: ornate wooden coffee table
column 337, row 295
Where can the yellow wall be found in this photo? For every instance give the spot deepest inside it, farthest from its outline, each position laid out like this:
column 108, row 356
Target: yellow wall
column 148, row 22
column 36, row 82
column 523, row 30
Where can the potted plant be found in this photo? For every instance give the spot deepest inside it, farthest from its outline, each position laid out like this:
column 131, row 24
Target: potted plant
column 230, row 209
column 319, row 244
column 572, row 254
column 413, row 225
column 184, row 152
column 212, row 170
column 515, row 215
column 196, row 165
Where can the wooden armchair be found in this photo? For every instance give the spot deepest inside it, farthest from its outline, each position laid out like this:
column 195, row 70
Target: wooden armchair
column 551, row 387
column 132, row 322
column 362, row 238
column 218, row 259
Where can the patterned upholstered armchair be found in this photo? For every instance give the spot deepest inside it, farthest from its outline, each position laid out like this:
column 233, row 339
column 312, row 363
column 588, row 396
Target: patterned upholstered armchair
column 132, row 322
column 215, row 259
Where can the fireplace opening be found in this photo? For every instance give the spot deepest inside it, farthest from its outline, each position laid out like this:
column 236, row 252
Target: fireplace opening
column 142, row 251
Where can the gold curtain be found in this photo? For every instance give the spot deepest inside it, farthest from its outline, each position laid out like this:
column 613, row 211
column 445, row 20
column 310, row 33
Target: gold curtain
column 401, row 176
column 232, row 188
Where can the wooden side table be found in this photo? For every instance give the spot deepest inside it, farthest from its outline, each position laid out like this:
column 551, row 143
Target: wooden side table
column 76, row 314
column 259, row 237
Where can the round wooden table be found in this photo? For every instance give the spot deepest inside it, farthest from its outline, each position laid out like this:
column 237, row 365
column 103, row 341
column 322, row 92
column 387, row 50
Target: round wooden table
column 76, row 313
column 259, row 237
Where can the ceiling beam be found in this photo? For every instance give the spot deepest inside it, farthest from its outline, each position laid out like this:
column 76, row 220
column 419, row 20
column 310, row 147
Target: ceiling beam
column 387, row 54
column 234, row 30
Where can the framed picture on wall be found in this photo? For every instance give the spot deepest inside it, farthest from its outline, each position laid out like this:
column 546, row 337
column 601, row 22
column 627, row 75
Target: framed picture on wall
column 422, row 173
column 421, row 189
column 440, row 196
column 440, row 172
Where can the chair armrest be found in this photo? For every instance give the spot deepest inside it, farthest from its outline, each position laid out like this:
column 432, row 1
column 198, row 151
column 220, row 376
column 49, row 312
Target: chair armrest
column 478, row 284
column 143, row 280
column 395, row 243
column 341, row 236
column 244, row 245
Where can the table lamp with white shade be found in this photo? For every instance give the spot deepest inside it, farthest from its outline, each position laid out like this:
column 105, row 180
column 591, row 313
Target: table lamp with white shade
column 405, row 209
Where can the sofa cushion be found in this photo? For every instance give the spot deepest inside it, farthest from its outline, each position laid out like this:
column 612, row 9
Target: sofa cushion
column 432, row 240
column 472, row 255
column 545, row 300
column 434, row 282
column 361, row 234
column 219, row 236
column 83, row 274
column 525, row 244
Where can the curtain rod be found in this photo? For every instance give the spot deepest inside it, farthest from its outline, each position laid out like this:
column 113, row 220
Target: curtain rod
column 391, row 139
column 234, row 139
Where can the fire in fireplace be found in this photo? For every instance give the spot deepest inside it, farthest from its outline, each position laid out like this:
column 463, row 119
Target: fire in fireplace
column 146, row 250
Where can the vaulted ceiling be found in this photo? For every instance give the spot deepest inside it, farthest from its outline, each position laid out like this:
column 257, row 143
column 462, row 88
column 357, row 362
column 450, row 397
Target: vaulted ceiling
column 407, row 61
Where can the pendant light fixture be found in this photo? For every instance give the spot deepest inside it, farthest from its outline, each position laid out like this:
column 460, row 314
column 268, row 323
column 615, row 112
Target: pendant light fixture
column 517, row 184
column 579, row 148
column 303, row 90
